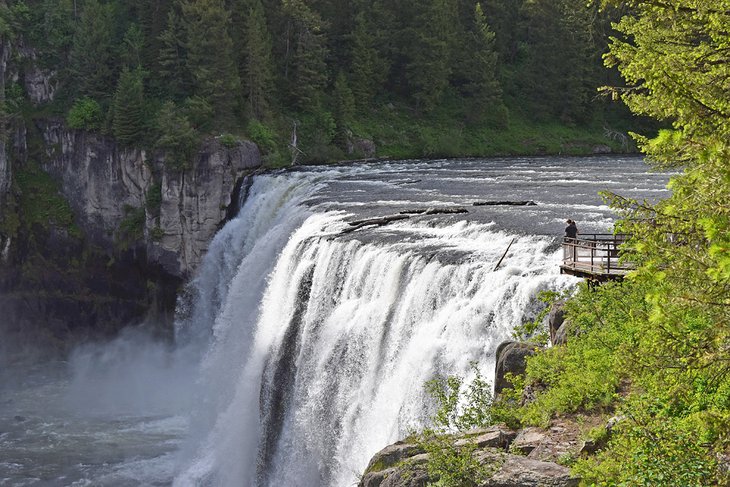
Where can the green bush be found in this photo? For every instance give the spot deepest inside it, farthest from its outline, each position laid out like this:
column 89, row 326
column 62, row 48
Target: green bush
column 85, row 114
column 228, row 140
column 262, row 136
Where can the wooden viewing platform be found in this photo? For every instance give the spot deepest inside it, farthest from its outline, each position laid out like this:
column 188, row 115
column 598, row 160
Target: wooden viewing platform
column 594, row 256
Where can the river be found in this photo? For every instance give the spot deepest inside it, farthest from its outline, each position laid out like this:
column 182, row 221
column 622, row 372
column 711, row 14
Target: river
column 302, row 347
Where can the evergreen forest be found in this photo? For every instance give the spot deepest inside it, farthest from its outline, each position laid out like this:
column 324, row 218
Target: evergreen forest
column 412, row 79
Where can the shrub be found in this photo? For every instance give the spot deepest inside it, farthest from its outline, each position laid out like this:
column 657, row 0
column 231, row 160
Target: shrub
column 262, row 136
column 85, row 114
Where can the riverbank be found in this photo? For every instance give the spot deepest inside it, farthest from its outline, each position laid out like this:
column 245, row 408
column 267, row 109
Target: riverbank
column 392, row 131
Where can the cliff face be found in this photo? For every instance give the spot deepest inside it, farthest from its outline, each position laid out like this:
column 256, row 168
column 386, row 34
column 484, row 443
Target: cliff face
column 95, row 236
column 195, row 203
column 104, row 184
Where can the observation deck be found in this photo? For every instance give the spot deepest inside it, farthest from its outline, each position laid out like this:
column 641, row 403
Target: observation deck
column 594, row 256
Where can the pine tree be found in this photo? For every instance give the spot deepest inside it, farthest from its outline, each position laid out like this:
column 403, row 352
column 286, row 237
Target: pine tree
column 479, row 70
column 432, row 45
column 344, row 109
column 369, row 69
column 210, row 56
column 305, row 68
column 128, row 123
column 92, row 64
column 133, row 46
column 173, row 57
column 257, row 65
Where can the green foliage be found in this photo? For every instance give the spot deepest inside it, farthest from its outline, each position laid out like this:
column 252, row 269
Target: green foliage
column 177, row 137
column 153, row 199
column 85, row 114
column 262, row 136
column 132, row 47
column 448, row 69
column 305, row 68
column 461, row 410
column 210, row 60
column 652, row 449
column 199, row 112
column 228, row 140
column 256, row 63
column 317, row 130
column 456, row 467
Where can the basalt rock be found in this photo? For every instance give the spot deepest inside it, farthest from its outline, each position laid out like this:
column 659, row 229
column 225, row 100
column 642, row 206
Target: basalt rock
column 555, row 319
column 511, row 359
column 405, row 465
column 139, row 229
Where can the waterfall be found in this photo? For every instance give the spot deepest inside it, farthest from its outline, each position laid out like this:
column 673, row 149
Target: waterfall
column 316, row 346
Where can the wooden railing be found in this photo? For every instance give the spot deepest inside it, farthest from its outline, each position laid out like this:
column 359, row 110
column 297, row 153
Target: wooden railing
column 594, row 255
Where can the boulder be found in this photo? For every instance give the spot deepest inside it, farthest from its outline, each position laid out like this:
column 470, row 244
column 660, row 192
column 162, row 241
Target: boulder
column 561, row 334
column 556, row 319
column 519, row 471
column 392, row 454
column 497, row 436
column 527, row 440
column 511, row 359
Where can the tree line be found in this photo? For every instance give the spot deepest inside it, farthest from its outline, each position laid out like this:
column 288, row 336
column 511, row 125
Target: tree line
column 165, row 72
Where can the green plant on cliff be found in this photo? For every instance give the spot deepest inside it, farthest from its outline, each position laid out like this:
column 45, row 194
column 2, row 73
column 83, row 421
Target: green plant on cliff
column 85, row 114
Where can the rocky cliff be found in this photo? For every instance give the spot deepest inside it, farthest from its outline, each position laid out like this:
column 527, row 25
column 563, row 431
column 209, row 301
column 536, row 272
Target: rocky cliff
column 107, row 185
column 95, row 236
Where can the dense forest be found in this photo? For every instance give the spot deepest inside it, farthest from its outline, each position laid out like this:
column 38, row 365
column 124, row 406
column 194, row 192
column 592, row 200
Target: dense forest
column 429, row 78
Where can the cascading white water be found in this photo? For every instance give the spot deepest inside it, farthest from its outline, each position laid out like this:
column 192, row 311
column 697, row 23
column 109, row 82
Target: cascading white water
column 307, row 380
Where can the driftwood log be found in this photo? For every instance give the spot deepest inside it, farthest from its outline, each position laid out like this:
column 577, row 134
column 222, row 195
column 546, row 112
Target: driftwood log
column 436, row 211
column 504, row 203
column 373, row 222
column 403, row 215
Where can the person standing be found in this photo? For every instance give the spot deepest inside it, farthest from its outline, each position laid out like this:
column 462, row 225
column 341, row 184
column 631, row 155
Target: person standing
column 571, row 231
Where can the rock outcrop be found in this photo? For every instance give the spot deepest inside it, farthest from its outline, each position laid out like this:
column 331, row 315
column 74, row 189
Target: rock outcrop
column 138, row 230
column 497, row 448
column 556, row 317
column 195, row 203
column 105, row 183
column 511, row 359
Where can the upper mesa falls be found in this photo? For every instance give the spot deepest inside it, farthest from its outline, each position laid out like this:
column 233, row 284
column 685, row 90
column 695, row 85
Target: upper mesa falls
column 300, row 349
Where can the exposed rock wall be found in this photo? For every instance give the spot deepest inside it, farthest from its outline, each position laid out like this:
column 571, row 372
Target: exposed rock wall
column 97, row 178
column 194, row 203
column 104, row 182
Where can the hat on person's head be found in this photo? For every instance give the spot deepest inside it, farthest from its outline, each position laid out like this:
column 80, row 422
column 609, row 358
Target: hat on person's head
column 569, row 221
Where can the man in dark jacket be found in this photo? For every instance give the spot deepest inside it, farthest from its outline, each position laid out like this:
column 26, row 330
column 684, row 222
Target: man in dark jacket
column 571, row 231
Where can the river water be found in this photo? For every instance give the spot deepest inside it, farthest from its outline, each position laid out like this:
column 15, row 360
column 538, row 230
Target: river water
column 302, row 348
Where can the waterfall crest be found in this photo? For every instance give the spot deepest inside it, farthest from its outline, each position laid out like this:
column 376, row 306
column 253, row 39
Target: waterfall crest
column 320, row 361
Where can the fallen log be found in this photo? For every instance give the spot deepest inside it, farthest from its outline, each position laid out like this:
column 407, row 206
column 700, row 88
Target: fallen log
column 504, row 203
column 378, row 222
column 436, row 211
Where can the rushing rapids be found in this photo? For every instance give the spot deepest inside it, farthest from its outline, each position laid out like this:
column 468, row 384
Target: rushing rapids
column 303, row 350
